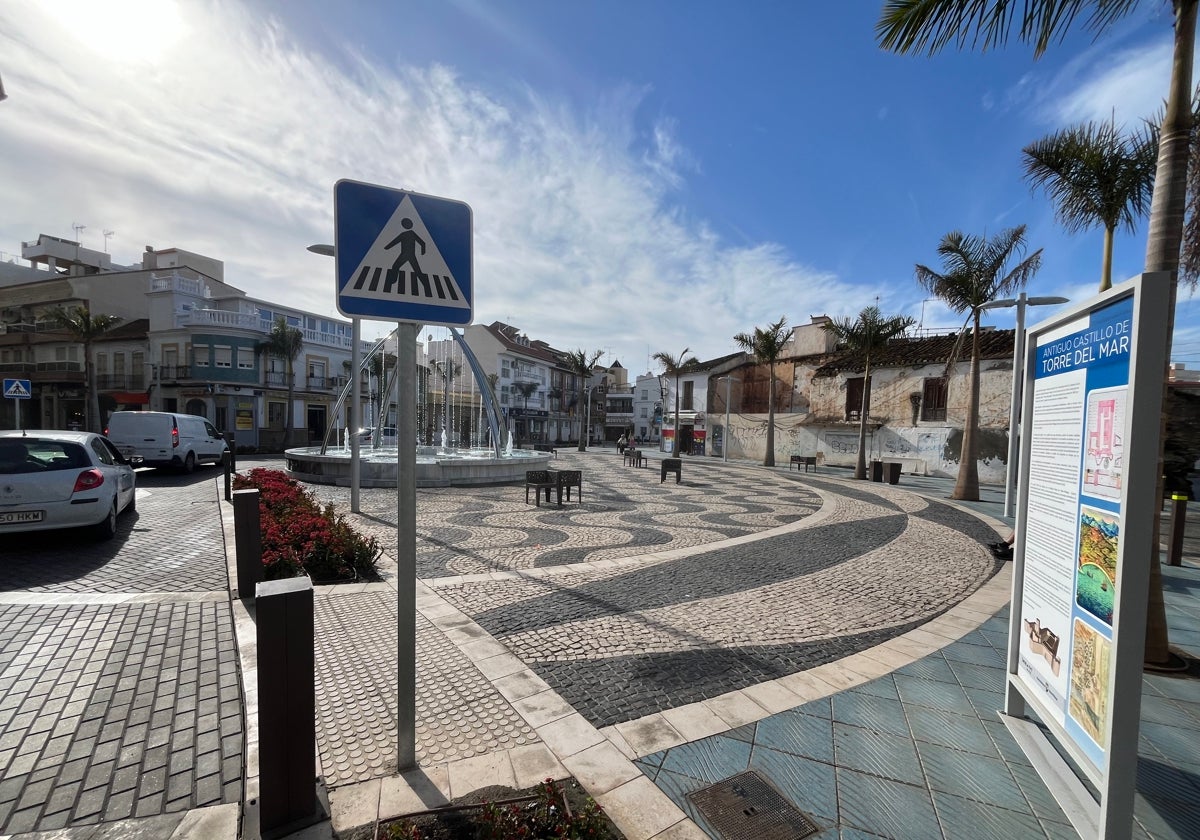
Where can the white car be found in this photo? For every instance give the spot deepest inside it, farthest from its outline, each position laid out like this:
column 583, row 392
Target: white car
column 60, row 479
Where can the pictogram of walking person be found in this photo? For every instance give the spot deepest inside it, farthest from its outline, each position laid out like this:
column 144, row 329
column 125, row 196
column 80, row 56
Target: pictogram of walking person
column 407, row 239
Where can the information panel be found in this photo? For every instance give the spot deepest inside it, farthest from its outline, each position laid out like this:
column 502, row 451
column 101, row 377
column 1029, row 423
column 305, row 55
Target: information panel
column 1073, row 529
column 1085, row 540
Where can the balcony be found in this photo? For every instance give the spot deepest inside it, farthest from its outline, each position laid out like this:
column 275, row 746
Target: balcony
column 321, row 383
column 176, row 281
column 275, row 379
column 173, row 373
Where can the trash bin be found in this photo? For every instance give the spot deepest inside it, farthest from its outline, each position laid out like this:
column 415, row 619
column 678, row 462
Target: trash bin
column 877, row 470
column 891, row 470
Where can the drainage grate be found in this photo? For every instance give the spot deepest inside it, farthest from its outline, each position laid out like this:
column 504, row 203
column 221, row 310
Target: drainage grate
column 746, row 807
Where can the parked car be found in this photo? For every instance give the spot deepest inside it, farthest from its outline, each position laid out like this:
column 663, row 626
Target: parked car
column 165, row 439
column 62, row 479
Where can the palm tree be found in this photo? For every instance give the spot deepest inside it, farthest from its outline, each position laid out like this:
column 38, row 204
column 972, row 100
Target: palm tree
column 580, row 362
column 766, row 345
column 908, row 25
column 975, row 273
column 1095, row 175
column 674, row 366
column 85, row 327
column 526, row 390
column 285, row 342
column 868, row 334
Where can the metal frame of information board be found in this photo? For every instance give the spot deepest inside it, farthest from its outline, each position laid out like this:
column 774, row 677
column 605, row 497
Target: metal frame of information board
column 1115, row 775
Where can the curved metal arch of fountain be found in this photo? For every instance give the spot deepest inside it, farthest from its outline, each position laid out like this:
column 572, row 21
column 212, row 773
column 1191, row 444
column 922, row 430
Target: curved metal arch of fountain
column 435, row 467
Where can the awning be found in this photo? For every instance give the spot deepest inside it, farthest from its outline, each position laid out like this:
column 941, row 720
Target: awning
column 130, row 397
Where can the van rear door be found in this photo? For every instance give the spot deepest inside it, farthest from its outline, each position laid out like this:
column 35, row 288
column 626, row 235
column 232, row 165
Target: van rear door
column 152, row 435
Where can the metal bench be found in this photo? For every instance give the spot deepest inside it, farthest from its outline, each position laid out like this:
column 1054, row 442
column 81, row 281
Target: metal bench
column 806, row 460
column 634, row 458
column 542, row 480
column 568, row 479
column 674, row 465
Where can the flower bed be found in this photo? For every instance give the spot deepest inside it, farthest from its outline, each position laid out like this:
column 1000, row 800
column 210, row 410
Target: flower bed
column 547, row 812
column 299, row 537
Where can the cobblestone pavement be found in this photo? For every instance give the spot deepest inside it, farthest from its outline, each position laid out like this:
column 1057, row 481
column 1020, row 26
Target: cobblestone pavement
column 459, row 713
column 120, row 694
column 635, row 601
column 625, row 511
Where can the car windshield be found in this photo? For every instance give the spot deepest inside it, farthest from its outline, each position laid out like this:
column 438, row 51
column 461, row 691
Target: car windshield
column 31, row 455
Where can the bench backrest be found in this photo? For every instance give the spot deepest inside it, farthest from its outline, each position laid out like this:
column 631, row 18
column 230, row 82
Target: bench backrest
column 537, row 477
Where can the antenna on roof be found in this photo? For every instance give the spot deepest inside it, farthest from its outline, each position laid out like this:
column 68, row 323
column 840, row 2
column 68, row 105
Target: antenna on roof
column 77, row 228
column 107, row 234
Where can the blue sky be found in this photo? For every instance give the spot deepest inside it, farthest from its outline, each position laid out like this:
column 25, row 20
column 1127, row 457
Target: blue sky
column 644, row 176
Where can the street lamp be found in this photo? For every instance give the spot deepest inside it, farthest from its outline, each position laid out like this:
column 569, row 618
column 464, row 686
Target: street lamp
column 725, row 442
column 1018, row 382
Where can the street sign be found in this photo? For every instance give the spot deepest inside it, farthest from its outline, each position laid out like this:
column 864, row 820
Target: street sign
column 17, row 389
column 402, row 256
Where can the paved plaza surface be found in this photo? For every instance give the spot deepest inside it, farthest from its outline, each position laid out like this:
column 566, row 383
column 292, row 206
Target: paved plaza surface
column 844, row 639
column 120, row 693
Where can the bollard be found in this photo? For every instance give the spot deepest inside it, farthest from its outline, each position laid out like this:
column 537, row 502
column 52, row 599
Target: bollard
column 247, row 541
column 286, row 702
column 232, row 441
column 227, row 466
column 1178, row 524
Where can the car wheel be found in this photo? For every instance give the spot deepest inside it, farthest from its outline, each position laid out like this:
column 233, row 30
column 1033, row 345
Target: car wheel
column 189, row 463
column 106, row 528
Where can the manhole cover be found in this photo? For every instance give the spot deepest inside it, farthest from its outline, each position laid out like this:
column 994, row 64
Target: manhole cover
column 746, row 807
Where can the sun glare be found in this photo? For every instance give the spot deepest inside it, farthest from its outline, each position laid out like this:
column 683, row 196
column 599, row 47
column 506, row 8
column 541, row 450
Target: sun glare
column 122, row 30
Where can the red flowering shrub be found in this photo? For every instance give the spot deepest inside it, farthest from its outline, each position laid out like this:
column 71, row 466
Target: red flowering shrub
column 298, row 537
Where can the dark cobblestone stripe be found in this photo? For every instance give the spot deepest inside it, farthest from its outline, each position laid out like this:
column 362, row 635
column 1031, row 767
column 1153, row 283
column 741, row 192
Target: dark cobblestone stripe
column 625, row 688
column 714, row 573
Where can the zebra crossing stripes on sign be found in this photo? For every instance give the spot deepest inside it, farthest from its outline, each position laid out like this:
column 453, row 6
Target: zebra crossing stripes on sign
column 17, row 389
column 402, row 256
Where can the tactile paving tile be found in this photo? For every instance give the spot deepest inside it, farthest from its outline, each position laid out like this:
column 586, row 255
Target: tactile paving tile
column 459, row 713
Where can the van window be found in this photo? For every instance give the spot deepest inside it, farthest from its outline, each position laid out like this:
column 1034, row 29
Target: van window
column 212, row 432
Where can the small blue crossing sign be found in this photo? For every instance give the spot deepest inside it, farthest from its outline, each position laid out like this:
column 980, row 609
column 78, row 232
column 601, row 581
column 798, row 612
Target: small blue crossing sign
column 17, row 389
column 402, row 256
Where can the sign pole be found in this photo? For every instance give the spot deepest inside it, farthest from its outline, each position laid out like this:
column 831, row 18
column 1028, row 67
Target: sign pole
column 406, row 546
column 353, row 420
column 17, row 403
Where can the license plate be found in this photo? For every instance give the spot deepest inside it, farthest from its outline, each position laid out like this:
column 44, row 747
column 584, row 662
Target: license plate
column 19, row 517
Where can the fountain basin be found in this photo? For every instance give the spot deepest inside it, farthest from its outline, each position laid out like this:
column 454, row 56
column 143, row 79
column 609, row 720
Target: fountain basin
column 441, row 468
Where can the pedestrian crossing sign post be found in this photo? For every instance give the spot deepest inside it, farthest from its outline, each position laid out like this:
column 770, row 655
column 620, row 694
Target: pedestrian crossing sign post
column 402, row 256
column 17, row 390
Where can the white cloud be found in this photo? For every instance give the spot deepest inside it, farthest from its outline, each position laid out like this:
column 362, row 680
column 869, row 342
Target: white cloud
column 230, row 146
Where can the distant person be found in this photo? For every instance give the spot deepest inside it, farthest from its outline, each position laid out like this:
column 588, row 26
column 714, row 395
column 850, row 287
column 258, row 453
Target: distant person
column 621, row 444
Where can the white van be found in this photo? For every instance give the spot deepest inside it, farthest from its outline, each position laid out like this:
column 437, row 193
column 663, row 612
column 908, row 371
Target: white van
column 164, row 439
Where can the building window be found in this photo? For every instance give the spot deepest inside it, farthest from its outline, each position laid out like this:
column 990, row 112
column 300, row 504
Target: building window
column 688, row 393
column 854, row 398
column 505, row 373
column 933, row 399
column 119, row 364
column 276, row 411
column 200, row 355
column 645, row 412
column 223, row 356
column 102, row 363
column 245, row 358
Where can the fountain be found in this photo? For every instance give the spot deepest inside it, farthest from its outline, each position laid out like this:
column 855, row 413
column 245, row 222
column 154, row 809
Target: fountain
column 469, row 417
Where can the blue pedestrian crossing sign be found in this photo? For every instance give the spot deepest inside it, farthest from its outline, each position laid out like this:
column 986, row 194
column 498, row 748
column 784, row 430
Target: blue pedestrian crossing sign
column 402, row 256
column 17, row 389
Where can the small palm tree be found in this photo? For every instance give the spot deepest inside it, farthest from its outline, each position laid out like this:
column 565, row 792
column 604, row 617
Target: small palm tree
column 674, row 366
column 1095, row 175
column 285, row 342
column 867, row 334
column 85, row 327
column 975, row 273
column 766, row 345
column 580, row 362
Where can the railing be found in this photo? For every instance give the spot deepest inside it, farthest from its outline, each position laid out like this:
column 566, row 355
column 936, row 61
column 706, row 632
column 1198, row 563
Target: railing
column 60, row 366
column 321, row 383
column 276, row 379
column 168, row 373
column 177, row 282
column 222, row 318
column 17, row 367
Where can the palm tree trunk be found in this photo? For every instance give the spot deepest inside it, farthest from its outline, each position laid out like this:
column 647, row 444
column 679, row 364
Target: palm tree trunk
column 769, row 460
column 91, row 419
column 1162, row 254
column 676, row 446
column 1106, row 264
column 860, row 466
column 289, row 420
column 966, row 487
